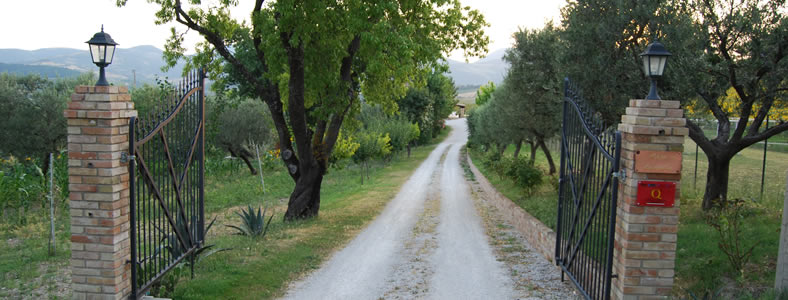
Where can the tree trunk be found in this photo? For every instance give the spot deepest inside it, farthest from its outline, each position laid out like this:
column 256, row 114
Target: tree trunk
column 408, row 150
column 517, row 148
column 533, row 152
column 549, row 157
column 305, row 199
column 45, row 167
column 240, row 154
column 716, row 181
column 501, row 149
column 249, row 164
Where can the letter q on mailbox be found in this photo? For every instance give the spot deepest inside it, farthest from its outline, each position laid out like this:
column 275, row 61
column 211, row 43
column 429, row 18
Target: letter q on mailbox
column 656, row 193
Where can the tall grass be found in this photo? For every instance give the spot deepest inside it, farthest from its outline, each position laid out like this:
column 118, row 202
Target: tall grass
column 24, row 187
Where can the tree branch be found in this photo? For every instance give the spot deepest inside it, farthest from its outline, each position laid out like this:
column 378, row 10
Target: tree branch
column 346, row 75
column 723, row 130
column 218, row 43
column 697, row 135
column 268, row 91
column 256, row 38
column 752, row 139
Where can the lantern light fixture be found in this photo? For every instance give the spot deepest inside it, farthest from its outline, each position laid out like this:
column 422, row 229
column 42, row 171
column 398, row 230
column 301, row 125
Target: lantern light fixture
column 102, row 50
column 654, row 60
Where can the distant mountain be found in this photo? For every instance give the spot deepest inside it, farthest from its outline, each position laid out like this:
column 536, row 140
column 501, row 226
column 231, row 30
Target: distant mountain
column 491, row 68
column 146, row 61
column 45, row 71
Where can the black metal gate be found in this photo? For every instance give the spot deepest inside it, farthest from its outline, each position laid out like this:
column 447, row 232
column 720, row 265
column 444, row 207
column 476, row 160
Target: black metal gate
column 590, row 154
column 167, row 168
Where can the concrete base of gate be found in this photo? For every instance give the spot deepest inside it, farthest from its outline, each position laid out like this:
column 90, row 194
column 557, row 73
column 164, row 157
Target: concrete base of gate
column 154, row 298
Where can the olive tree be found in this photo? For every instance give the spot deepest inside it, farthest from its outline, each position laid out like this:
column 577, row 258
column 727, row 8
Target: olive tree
column 310, row 60
column 31, row 114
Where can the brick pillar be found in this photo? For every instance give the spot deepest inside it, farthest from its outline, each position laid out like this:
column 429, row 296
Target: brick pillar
column 645, row 244
column 98, row 119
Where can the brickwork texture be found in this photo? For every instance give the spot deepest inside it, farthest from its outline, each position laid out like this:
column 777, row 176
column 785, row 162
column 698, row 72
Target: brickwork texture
column 645, row 243
column 98, row 118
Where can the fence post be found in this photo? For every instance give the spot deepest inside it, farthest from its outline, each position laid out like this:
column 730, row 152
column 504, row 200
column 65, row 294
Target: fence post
column 645, row 243
column 98, row 119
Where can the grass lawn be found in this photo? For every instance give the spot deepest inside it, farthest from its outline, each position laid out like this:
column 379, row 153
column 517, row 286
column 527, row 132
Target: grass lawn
column 26, row 268
column 700, row 265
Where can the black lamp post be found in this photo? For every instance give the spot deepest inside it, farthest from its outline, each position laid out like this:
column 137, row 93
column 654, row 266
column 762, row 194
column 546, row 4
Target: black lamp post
column 654, row 59
column 102, row 49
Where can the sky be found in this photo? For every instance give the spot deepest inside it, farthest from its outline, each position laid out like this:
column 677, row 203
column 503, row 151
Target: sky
column 36, row 24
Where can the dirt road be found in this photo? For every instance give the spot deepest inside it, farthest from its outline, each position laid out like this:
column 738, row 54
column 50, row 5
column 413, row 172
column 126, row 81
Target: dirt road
column 429, row 242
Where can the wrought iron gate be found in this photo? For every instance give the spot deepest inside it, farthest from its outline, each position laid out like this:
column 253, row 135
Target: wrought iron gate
column 590, row 154
column 167, row 168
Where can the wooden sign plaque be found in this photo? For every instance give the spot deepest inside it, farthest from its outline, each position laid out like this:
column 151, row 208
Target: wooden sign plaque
column 658, row 162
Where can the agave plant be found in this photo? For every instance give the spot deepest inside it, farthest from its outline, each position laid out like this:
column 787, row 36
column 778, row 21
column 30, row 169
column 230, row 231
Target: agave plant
column 253, row 224
column 707, row 295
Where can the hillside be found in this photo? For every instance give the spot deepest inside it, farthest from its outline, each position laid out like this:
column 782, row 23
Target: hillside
column 45, row 71
column 146, row 61
column 491, row 68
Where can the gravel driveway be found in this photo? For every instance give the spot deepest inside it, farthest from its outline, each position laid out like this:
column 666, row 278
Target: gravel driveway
column 431, row 242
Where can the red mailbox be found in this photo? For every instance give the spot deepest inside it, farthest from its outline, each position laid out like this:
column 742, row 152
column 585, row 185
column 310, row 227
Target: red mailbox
column 656, row 193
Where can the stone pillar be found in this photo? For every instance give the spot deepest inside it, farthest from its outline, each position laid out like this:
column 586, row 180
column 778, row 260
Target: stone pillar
column 653, row 133
column 98, row 120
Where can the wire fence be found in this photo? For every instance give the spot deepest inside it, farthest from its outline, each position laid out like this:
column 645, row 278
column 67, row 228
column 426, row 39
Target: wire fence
column 774, row 144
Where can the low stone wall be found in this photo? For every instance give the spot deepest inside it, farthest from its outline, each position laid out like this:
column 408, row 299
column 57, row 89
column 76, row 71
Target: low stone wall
column 541, row 237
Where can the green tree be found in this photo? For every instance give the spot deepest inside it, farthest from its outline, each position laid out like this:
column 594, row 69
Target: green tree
column 484, row 93
column 444, row 99
column 372, row 144
column 147, row 97
column 243, row 127
column 535, row 84
column 488, row 127
column 428, row 106
column 310, row 60
column 716, row 45
column 603, row 42
column 31, row 114
column 744, row 47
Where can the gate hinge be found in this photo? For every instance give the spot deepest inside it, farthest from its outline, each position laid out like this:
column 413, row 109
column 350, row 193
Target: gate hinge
column 614, row 276
column 621, row 175
column 126, row 157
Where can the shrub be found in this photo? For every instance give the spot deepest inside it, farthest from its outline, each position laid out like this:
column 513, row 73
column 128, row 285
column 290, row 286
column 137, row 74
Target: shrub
column 728, row 219
column 522, row 172
column 491, row 159
column 343, row 149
